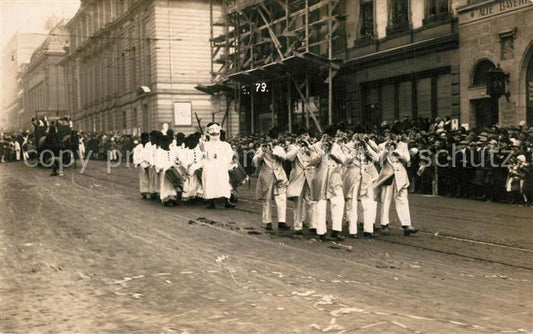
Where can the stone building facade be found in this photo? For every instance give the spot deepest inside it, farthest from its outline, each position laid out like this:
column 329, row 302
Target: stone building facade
column 15, row 55
column 401, row 61
column 43, row 79
column 496, row 33
column 133, row 65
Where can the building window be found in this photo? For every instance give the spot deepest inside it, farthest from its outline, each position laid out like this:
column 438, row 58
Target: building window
column 436, row 10
column 398, row 16
column 438, row 7
column 367, row 19
column 507, row 44
column 479, row 77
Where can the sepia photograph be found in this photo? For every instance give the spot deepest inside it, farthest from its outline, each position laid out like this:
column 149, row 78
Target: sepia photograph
column 266, row 166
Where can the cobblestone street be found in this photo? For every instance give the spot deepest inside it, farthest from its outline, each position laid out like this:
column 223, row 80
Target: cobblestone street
column 83, row 253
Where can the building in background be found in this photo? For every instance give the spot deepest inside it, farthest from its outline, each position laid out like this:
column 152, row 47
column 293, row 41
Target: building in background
column 401, row 61
column 496, row 33
column 43, row 79
column 311, row 62
column 133, row 65
column 17, row 52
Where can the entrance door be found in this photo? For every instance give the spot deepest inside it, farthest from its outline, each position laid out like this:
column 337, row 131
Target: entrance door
column 486, row 112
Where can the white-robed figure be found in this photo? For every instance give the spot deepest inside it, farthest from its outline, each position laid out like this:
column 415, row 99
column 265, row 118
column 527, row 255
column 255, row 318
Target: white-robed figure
column 152, row 146
column 359, row 177
column 141, row 160
column 17, row 150
column 271, row 181
column 328, row 185
column 166, row 159
column 217, row 156
column 304, row 160
column 81, row 146
column 393, row 183
column 192, row 159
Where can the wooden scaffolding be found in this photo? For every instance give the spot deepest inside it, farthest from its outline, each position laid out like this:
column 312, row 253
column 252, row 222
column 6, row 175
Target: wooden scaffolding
column 289, row 43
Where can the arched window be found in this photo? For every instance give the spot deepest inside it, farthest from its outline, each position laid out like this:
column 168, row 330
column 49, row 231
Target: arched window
column 480, row 74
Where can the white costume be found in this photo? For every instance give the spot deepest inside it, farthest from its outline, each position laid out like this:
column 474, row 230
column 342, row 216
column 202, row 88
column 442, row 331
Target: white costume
column 393, row 182
column 217, row 160
column 17, row 150
column 153, row 174
column 164, row 161
column 359, row 176
column 271, row 182
column 141, row 160
column 81, row 148
column 193, row 160
column 304, row 161
column 328, row 187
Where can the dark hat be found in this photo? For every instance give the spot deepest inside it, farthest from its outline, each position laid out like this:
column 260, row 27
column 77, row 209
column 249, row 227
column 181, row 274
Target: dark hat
column 331, row 130
column 302, row 130
column 341, row 126
column 273, row 133
column 191, row 141
column 155, row 136
column 396, row 128
column 212, row 123
column 145, row 138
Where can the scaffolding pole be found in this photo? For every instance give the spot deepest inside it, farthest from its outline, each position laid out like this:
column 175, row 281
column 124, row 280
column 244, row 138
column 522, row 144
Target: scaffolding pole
column 306, row 105
column 252, row 111
column 211, row 37
column 278, row 35
column 306, row 25
column 306, row 100
column 272, row 105
column 330, row 58
column 289, row 103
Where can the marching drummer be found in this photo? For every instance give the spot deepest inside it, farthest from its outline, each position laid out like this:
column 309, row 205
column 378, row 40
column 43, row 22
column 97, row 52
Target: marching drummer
column 165, row 159
column 154, row 178
column 192, row 159
column 272, row 181
column 141, row 160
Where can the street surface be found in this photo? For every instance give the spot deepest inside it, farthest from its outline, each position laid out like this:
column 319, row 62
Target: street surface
column 84, row 254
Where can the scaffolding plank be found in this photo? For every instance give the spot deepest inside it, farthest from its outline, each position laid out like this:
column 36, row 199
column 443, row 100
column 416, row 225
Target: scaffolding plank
column 215, row 88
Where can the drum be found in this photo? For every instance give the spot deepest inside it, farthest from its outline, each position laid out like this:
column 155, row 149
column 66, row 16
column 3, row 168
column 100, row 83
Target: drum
column 237, row 175
column 176, row 176
column 198, row 173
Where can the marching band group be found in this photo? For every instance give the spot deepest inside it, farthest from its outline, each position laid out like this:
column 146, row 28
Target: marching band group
column 328, row 177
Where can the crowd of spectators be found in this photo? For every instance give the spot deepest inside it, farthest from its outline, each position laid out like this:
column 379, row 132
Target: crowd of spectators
column 13, row 145
column 493, row 163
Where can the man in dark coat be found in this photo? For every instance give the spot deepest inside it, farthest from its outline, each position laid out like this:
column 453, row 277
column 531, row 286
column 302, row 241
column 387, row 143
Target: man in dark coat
column 53, row 146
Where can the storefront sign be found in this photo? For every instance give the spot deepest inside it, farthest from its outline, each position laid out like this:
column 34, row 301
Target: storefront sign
column 480, row 11
column 182, row 113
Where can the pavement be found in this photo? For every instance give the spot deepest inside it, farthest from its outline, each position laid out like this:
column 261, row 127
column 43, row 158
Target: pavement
column 84, row 253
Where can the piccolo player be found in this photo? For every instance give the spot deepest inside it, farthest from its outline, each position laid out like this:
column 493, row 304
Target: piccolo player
column 272, row 181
